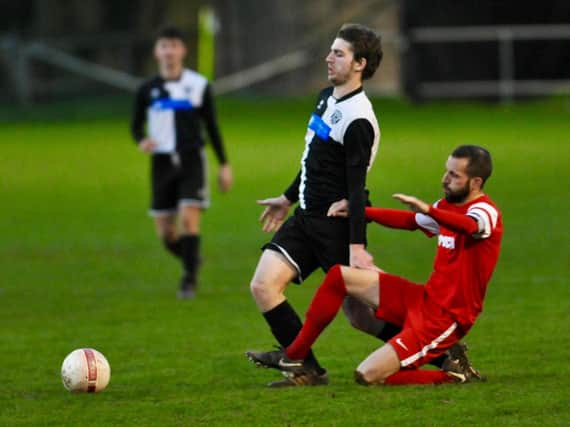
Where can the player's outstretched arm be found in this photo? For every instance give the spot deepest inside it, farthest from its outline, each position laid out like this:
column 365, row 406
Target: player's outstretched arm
column 455, row 221
column 275, row 212
column 393, row 218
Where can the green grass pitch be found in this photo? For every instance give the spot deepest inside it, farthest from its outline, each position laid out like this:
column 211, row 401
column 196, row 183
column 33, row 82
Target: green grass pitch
column 80, row 266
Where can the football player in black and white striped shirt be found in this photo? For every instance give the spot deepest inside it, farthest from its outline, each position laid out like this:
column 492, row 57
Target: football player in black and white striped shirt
column 174, row 106
column 340, row 145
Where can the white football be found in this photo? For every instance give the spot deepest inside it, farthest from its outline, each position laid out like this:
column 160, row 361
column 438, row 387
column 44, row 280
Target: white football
column 85, row 370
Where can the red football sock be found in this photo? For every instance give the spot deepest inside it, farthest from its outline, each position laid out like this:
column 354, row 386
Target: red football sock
column 418, row 376
column 323, row 308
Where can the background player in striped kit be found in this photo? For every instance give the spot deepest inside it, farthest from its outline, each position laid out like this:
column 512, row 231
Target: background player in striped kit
column 174, row 105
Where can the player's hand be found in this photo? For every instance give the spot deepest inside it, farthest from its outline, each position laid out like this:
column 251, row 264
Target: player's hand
column 361, row 258
column 147, row 145
column 339, row 208
column 225, row 178
column 413, row 203
column 275, row 212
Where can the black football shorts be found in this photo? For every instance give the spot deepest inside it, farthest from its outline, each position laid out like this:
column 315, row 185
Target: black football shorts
column 178, row 179
column 310, row 242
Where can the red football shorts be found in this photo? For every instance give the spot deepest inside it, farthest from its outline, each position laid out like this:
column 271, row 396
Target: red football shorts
column 427, row 330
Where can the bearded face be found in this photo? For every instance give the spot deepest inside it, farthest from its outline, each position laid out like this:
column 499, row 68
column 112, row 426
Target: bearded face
column 457, row 195
column 456, row 182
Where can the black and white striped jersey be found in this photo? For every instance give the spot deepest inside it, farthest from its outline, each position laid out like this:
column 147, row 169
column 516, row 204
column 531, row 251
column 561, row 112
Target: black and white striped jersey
column 340, row 146
column 173, row 111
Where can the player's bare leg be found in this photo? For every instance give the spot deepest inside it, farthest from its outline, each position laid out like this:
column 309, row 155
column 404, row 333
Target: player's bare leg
column 272, row 276
column 383, row 367
column 362, row 284
column 166, row 230
column 190, row 216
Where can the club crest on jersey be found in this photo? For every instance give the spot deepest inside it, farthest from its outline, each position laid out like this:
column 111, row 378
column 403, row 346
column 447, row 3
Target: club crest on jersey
column 336, row 117
column 318, row 125
column 155, row 93
column 447, row 242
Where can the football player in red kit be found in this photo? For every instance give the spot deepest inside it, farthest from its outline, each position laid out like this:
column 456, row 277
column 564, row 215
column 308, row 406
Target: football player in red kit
column 434, row 316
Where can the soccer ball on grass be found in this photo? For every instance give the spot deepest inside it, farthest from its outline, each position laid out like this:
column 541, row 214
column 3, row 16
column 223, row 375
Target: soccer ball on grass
column 85, row 370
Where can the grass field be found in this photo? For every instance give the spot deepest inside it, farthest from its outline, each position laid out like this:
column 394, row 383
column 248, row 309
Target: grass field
column 79, row 266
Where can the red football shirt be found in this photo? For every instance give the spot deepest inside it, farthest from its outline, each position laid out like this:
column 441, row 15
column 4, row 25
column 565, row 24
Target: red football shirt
column 464, row 262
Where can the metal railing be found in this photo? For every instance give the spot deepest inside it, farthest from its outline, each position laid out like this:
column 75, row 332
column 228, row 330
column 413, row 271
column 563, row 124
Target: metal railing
column 506, row 87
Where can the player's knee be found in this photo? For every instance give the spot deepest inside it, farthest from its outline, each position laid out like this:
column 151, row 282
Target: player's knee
column 256, row 287
column 263, row 291
column 360, row 379
column 189, row 226
column 190, row 219
column 367, row 377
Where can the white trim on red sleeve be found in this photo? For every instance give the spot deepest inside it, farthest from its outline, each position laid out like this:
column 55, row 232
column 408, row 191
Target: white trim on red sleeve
column 427, row 223
column 486, row 217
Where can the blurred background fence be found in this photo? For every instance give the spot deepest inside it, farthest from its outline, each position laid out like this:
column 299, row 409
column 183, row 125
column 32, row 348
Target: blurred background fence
column 438, row 49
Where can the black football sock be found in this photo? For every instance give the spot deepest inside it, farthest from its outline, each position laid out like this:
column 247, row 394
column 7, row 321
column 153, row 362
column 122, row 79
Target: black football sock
column 285, row 324
column 390, row 330
column 173, row 246
column 190, row 245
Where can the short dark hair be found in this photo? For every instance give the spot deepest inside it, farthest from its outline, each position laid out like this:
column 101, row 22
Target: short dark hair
column 365, row 44
column 170, row 32
column 480, row 162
